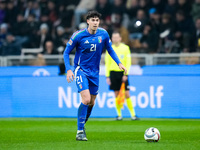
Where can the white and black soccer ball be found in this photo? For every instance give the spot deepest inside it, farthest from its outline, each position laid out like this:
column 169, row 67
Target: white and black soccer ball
column 152, row 135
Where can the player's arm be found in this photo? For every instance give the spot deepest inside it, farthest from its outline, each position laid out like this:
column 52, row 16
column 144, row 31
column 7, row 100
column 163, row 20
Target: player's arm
column 107, row 65
column 70, row 46
column 112, row 53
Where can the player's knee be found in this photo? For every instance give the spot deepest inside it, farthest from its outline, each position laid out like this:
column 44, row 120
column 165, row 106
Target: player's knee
column 86, row 101
column 127, row 95
column 92, row 103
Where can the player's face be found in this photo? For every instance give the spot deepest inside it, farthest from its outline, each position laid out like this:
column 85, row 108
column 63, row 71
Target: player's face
column 116, row 38
column 93, row 23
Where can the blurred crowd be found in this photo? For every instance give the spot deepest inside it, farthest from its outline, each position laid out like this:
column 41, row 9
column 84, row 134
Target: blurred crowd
column 147, row 26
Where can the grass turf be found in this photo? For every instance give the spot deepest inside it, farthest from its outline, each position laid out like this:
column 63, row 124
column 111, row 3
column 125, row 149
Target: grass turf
column 104, row 134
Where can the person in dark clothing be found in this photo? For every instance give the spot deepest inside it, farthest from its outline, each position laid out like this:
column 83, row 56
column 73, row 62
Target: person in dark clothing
column 144, row 5
column 184, row 6
column 154, row 18
column 10, row 46
column 44, row 18
column 136, row 25
column 31, row 29
column 103, row 7
column 42, row 36
column 66, row 15
column 171, row 7
column 118, row 8
column 2, row 11
column 49, row 48
column 167, row 43
column 159, row 5
column 149, row 40
column 11, row 14
column 184, row 32
column 134, row 7
column 18, row 28
column 59, row 38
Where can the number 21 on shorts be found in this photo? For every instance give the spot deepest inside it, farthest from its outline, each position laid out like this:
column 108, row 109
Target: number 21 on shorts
column 79, row 79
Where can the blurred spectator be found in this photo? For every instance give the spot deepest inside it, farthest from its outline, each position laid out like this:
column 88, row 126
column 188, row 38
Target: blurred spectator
column 198, row 34
column 43, row 36
column 83, row 7
column 82, row 25
column 59, row 39
column 10, row 46
column 36, row 10
column 28, row 9
column 11, row 14
column 155, row 18
column 136, row 25
column 171, row 7
column 149, row 40
column 159, row 5
column 20, row 6
column 118, row 13
column 19, row 26
column 185, row 32
column 23, row 19
column 116, row 23
column 31, row 29
column 184, row 6
column 3, row 32
column 44, row 18
column 107, row 26
column 132, row 8
column 195, row 10
column 52, row 12
column 2, row 11
column 103, row 7
column 49, row 48
column 166, row 44
column 143, row 4
column 66, row 15
column 43, row 5
column 118, row 8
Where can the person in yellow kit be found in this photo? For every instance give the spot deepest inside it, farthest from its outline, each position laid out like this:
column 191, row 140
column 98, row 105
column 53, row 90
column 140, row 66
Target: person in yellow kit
column 115, row 77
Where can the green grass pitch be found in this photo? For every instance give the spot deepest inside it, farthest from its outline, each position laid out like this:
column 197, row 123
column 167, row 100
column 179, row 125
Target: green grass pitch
column 102, row 134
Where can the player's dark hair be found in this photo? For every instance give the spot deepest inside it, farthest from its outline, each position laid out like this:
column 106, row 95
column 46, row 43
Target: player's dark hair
column 93, row 14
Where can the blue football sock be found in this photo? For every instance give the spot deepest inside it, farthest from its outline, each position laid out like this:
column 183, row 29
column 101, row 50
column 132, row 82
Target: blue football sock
column 89, row 110
column 82, row 112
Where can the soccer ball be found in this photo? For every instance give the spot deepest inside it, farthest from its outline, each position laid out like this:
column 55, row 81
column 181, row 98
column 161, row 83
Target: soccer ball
column 152, row 135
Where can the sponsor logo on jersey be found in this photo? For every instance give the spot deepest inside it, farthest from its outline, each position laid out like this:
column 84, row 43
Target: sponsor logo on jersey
column 99, row 39
column 86, row 42
column 70, row 42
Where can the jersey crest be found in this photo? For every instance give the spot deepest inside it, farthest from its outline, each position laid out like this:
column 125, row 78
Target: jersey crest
column 99, row 39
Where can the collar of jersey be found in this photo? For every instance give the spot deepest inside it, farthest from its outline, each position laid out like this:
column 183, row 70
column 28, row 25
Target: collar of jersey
column 89, row 32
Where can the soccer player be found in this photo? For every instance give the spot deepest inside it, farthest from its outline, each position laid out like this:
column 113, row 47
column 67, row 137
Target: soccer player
column 115, row 76
column 89, row 43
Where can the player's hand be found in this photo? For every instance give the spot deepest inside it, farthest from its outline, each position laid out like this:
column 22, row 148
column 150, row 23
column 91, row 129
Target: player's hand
column 108, row 81
column 124, row 78
column 70, row 76
column 121, row 67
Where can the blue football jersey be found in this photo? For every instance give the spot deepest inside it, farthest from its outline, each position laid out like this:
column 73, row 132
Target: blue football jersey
column 89, row 48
